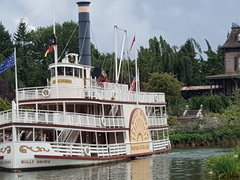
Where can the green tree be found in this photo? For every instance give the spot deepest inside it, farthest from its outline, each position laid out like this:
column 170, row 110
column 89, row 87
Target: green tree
column 4, row 104
column 6, row 48
column 167, row 83
column 5, row 92
column 23, row 45
column 215, row 61
column 187, row 68
column 6, row 45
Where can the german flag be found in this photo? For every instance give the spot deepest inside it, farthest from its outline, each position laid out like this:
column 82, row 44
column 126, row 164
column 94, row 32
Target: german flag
column 49, row 50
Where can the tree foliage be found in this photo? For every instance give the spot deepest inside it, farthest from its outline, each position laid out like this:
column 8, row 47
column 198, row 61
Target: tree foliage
column 4, row 104
column 185, row 62
column 210, row 103
column 167, row 83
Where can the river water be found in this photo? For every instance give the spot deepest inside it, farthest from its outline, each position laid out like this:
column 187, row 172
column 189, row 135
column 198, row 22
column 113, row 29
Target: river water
column 180, row 164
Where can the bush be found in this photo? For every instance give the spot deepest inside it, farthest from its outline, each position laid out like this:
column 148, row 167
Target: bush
column 217, row 136
column 215, row 104
column 222, row 166
column 4, row 104
column 171, row 121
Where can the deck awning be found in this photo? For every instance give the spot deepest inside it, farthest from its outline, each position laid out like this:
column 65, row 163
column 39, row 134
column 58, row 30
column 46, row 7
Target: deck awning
column 223, row 76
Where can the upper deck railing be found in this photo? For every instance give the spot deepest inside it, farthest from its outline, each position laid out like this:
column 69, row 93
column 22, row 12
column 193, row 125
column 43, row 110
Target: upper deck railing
column 72, row 119
column 106, row 91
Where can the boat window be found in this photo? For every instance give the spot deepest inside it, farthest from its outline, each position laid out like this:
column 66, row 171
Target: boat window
column 80, row 73
column 70, row 108
column 101, row 138
column 25, row 134
column 69, row 71
column 76, row 72
column 53, row 72
column 88, row 137
column 1, row 135
column 52, row 107
column 111, row 138
column 85, row 73
column 7, row 134
column 120, row 138
column 60, row 70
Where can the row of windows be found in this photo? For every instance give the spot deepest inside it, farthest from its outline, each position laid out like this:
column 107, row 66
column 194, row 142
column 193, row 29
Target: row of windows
column 67, row 71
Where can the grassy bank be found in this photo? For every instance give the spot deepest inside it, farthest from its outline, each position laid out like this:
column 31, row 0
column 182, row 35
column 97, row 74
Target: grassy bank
column 224, row 166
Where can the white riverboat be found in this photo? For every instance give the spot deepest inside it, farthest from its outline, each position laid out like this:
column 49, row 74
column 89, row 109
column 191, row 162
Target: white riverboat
column 76, row 120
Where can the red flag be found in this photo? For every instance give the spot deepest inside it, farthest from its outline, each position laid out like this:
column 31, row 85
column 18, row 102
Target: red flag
column 49, row 50
column 132, row 87
column 132, row 44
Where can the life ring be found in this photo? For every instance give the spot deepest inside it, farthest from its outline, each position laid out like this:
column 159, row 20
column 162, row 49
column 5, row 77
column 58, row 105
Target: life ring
column 46, row 92
column 103, row 122
column 87, row 151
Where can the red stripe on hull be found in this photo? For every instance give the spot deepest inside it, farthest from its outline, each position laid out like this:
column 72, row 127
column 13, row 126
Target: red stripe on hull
column 1, row 157
column 61, row 126
column 101, row 158
column 32, row 101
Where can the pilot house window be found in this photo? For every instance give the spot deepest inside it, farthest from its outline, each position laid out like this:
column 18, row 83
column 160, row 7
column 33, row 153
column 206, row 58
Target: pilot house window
column 76, row 72
column 60, row 71
column 53, row 72
column 69, row 71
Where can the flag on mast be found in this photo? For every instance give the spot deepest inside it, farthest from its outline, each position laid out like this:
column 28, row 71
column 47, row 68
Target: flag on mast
column 132, row 87
column 7, row 63
column 132, row 44
column 49, row 50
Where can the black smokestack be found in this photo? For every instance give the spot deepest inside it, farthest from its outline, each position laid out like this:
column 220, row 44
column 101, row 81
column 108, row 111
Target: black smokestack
column 84, row 33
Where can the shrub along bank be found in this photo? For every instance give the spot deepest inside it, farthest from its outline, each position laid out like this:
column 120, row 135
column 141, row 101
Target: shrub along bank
column 226, row 137
column 222, row 128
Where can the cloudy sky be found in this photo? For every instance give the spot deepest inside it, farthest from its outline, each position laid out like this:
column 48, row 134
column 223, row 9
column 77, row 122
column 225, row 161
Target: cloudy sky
column 175, row 20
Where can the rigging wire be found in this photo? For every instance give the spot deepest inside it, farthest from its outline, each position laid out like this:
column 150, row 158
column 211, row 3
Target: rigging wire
column 91, row 28
column 68, row 42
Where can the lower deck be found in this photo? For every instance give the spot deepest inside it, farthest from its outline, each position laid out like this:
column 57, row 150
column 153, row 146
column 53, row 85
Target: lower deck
column 77, row 142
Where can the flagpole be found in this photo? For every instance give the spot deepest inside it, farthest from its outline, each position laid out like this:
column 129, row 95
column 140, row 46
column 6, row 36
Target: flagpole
column 16, row 80
column 55, row 51
column 137, row 74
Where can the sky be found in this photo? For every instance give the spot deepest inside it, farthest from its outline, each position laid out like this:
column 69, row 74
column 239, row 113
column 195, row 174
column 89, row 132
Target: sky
column 174, row 20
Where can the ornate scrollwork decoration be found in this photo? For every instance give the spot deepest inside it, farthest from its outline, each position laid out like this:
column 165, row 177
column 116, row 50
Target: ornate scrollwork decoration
column 24, row 148
column 6, row 149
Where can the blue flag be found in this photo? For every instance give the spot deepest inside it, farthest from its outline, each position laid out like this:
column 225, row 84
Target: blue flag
column 8, row 63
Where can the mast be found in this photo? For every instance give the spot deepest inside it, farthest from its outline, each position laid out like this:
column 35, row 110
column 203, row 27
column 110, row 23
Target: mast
column 116, row 63
column 122, row 51
column 53, row 40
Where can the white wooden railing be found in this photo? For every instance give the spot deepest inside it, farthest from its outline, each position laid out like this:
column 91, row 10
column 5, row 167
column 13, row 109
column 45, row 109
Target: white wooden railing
column 157, row 121
column 161, row 144
column 72, row 119
column 77, row 149
column 110, row 91
column 54, row 117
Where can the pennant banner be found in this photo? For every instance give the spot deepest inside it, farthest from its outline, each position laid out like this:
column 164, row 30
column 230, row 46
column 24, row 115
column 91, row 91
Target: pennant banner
column 132, row 44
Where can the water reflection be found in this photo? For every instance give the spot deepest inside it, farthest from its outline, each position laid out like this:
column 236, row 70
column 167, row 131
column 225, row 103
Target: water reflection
column 179, row 164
